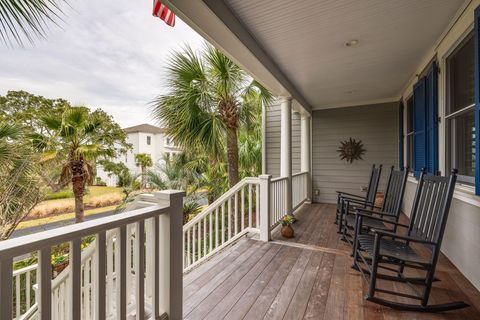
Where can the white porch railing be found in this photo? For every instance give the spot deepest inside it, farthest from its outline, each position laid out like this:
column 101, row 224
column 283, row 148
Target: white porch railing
column 231, row 216
column 80, row 292
column 300, row 189
column 225, row 220
column 278, row 205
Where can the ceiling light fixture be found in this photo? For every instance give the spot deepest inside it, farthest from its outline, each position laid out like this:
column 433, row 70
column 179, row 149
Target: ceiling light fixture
column 351, row 43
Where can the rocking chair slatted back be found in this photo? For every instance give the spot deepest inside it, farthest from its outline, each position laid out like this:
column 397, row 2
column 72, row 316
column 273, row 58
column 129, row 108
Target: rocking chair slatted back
column 431, row 206
column 373, row 184
column 395, row 191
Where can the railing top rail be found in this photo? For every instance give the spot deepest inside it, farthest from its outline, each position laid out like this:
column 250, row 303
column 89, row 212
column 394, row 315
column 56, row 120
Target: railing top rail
column 279, row 179
column 25, row 269
column 299, row 173
column 26, row 244
column 219, row 201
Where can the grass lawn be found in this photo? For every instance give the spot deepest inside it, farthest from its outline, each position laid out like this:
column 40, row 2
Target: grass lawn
column 99, row 199
column 61, row 217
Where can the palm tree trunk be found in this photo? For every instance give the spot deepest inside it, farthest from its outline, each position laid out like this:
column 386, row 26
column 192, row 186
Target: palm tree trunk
column 143, row 177
column 232, row 156
column 78, row 185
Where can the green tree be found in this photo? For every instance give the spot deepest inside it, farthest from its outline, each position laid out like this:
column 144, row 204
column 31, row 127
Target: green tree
column 205, row 108
column 27, row 110
column 144, row 161
column 27, row 19
column 19, row 183
column 77, row 138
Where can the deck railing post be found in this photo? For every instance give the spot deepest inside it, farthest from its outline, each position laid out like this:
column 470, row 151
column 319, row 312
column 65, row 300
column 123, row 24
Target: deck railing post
column 265, row 207
column 171, row 254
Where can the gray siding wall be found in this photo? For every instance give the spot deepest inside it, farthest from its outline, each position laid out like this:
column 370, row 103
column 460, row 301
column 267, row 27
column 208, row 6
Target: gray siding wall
column 378, row 128
column 461, row 242
column 272, row 143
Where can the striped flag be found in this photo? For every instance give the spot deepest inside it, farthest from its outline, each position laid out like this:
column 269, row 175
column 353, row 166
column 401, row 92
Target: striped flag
column 161, row 11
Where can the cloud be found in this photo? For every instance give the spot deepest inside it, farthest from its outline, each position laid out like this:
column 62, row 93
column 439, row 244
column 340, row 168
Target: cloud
column 107, row 54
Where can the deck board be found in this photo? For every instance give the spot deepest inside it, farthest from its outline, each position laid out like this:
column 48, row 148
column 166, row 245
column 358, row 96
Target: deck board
column 307, row 277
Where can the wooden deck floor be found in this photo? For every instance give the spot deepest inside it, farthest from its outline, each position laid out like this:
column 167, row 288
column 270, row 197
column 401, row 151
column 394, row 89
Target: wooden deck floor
column 308, row 277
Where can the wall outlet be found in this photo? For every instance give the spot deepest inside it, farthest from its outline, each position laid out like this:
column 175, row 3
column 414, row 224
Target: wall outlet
column 316, row 192
column 363, row 188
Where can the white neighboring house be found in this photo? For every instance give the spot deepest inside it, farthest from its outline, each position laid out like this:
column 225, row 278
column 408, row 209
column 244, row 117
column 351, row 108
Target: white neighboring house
column 144, row 138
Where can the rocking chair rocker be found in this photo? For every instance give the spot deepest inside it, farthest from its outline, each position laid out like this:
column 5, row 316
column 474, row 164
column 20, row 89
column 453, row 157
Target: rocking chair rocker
column 394, row 252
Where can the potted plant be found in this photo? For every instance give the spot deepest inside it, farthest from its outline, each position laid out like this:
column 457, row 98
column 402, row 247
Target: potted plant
column 287, row 230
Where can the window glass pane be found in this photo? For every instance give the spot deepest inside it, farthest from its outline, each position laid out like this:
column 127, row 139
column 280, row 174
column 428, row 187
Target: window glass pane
column 461, row 67
column 462, row 143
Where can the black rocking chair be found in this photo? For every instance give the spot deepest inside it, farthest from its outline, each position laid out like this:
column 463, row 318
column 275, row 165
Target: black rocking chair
column 384, row 218
column 365, row 201
column 394, row 252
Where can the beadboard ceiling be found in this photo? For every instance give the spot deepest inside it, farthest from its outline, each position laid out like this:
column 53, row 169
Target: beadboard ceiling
column 306, row 39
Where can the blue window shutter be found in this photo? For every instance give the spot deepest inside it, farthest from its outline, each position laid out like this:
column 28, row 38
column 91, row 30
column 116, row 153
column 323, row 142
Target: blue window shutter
column 477, row 100
column 400, row 134
column 431, row 110
column 419, row 127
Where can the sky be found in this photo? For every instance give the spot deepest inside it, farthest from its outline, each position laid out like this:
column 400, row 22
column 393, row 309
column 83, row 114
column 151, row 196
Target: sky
column 106, row 54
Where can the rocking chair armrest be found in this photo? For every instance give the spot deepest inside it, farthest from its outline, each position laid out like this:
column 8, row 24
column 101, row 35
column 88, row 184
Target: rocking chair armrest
column 351, row 195
column 366, row 215
column 357, row 201
column 383, row 233
column 380, row 213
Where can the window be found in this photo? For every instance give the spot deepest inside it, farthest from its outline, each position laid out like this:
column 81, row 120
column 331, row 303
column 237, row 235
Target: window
column 169, row 142
column 409, row 133
column 149, row 140
column 460, row 117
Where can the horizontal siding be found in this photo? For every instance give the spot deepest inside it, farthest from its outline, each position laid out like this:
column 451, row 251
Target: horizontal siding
column 375, row 125
column 272, row 145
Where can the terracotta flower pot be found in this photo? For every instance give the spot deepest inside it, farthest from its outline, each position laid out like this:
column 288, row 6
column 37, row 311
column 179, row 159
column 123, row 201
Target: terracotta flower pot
column 287, row 231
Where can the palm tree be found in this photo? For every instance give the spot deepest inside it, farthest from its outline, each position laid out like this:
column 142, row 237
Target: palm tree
column 28, row 19
column 76, row 141
column 205, row 106
column 19, row 182
column 143, row 161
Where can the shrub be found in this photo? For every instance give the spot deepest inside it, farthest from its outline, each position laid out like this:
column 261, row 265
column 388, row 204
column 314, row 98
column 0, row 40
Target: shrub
column 64, row 194
column 100, row 182
column 105, row 200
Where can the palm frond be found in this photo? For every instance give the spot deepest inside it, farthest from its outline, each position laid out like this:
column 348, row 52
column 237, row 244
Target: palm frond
column 27, row 19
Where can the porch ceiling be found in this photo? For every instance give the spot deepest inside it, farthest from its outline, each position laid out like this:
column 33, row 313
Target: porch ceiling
column 298, row 48
column 307, row 40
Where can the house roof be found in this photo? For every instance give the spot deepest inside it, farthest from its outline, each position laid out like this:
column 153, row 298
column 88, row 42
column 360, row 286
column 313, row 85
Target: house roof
column 145, row 127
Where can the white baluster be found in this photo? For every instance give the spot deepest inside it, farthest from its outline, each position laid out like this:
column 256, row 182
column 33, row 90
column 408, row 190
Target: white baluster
column 250, row 200
column 140, row 270
column 205, row 236
column 216, row 228
column 257, row 206
column 121, row 272
column 17, row 296
column 236, row 213
column 155, row 267
column 242, row 208
column 223, row 222
column 75, row 273
column 44, row 278
column 210, row 233
column 28, row 283
column 99, row 258
column 194, row 236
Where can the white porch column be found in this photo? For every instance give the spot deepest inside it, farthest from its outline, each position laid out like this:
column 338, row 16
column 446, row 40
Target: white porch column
column 286, row 148
column 305, row 152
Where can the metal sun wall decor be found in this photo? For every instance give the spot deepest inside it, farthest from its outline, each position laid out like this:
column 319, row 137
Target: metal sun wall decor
column 351, row 150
